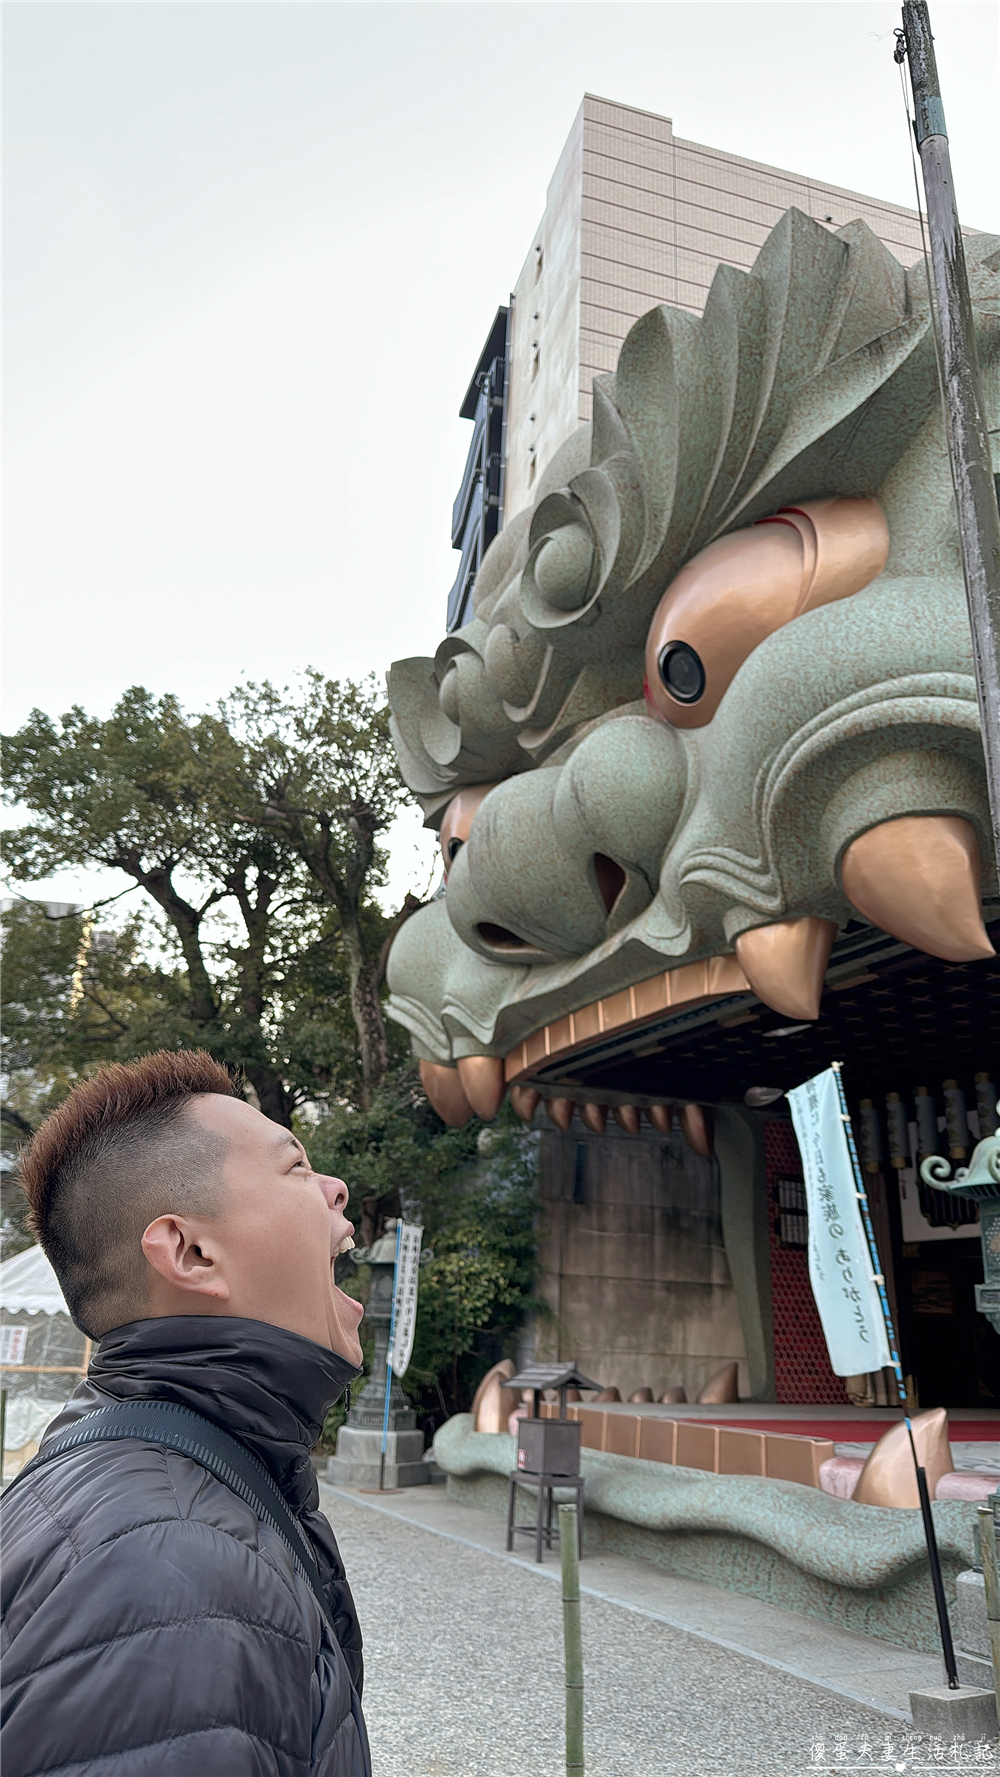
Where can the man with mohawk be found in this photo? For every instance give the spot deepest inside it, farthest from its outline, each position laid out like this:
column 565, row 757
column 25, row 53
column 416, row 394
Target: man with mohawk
column 173, row 1601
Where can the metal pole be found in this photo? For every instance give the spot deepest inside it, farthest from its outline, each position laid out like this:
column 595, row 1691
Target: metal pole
column 3, row 1430
column 930, row 1534
column 965, row 426
column 569, row 1550
column 388, row 1360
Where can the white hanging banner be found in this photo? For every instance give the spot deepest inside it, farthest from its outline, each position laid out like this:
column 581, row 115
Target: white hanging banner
column 840, row 1267
column 404, row 1305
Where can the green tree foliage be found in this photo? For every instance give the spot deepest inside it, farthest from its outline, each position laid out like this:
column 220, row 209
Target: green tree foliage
column 76, row 994
column 252, row 830
column 319, row 774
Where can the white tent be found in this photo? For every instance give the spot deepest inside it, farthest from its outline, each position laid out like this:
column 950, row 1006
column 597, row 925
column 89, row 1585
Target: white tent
column 28, row 1285
column 44, row 1355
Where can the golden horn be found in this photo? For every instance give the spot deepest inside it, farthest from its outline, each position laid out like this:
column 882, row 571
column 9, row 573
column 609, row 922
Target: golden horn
column 560, row 1111
column 627, row 1117
column 483, row 1083
column 444, row 1089
column 525, row 1102
column 661, row 1116
column 785, row 964
column 505, row 1369
column 721, row 1387
column 888, row 1477
column 919, row 879
column 594, row 1117
column 695, row 1126
column 493, row 1402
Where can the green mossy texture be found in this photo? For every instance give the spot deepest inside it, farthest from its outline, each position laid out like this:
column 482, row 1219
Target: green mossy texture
column 862, row 1567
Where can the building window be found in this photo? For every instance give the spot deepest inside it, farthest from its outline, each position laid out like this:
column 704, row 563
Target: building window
column 791, row 1222
column 539, row 257
column 531, row 464
column 476, row 513
column 535, row 358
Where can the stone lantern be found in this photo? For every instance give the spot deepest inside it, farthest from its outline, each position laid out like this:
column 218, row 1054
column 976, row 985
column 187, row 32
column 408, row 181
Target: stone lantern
column 359, row 1440
column 980, row 1180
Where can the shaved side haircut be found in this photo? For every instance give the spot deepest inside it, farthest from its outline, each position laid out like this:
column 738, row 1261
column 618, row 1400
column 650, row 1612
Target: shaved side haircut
column 118, row 1152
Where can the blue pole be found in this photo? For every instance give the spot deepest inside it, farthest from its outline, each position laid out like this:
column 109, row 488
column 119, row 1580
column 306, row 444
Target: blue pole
column 947, row 1646
column 388, row 1354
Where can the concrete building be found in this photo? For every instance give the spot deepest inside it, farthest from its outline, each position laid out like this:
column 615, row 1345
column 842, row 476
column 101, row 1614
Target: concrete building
column 635, row 216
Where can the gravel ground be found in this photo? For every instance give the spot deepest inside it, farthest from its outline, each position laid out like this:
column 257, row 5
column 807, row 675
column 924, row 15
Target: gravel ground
column 463, row 1656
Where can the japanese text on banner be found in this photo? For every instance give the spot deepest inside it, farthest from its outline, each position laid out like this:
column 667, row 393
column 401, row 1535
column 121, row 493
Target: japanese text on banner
column 840, row 1268
column 405, row 1302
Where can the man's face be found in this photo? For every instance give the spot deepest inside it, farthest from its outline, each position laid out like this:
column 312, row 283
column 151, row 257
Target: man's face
column 280, row 1229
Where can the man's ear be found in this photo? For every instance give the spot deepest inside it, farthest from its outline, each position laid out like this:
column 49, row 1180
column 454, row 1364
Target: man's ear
column 185, row 1257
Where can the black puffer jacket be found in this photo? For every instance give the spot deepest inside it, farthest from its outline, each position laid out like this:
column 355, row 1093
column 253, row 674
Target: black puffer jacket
column 151, row 1626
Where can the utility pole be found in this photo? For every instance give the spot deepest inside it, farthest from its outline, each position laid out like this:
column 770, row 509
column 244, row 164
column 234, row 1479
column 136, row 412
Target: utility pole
column 964, row 414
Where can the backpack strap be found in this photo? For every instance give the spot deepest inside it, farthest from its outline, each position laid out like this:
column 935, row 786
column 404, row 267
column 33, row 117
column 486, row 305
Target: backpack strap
column 225, row 1457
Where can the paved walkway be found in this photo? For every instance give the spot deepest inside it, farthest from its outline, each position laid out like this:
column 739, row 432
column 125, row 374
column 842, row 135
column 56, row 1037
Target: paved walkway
column 464, row 1663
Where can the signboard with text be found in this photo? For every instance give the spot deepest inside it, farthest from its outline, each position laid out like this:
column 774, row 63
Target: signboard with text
column 404, row 1309
column 840, row 1267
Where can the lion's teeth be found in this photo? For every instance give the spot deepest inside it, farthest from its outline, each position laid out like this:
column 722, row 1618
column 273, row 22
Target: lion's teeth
column 919, row 877
column 785, row 963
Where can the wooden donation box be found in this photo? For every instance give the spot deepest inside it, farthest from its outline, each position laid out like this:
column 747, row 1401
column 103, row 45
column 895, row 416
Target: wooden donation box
column 548, row 1454
column 549, row 1446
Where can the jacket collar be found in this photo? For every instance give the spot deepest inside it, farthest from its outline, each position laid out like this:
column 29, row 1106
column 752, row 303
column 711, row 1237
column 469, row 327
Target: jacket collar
column 267, row 1386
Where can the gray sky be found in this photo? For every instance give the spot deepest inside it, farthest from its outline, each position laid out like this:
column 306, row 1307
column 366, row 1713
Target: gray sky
column 252, row 251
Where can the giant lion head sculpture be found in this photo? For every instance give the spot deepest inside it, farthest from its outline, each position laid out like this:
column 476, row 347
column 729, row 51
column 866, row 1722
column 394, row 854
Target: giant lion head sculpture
column 717, row 696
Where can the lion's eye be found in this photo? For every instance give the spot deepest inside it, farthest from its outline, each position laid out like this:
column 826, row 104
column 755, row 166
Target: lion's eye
column 457, row 822
column 682, row 672
column 738, row 590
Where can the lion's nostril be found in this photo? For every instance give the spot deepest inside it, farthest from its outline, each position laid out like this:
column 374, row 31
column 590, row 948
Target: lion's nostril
column 610, row 879
column 500, row 937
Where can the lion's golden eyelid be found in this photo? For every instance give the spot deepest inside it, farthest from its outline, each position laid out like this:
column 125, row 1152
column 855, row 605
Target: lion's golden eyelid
column 743, row 587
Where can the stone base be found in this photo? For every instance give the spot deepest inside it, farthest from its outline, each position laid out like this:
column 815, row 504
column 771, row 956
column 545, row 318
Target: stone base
column 945, row 1712
column 972, row 1632
column 973, row 1629
column 974, row 1669
column 358, row 1458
